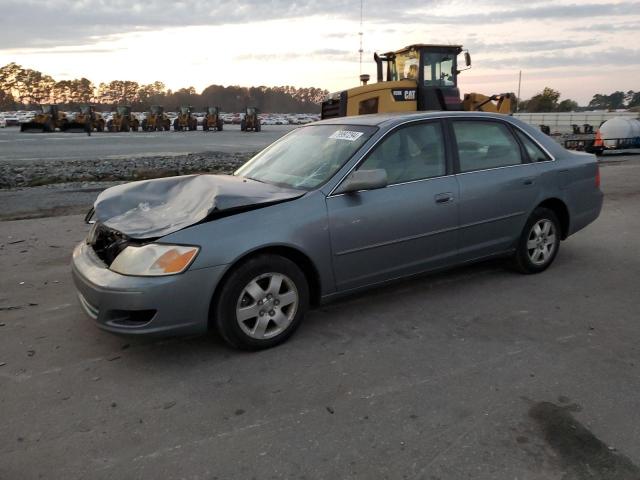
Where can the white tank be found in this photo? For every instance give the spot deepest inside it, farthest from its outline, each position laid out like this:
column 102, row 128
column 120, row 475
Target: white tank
column 619, row 127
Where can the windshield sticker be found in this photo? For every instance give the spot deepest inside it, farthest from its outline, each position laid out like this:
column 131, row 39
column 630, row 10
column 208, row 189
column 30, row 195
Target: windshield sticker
column 346, row 135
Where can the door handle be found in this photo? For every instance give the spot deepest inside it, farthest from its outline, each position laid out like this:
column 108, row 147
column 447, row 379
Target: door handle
column 528, row 181
column 444, row 198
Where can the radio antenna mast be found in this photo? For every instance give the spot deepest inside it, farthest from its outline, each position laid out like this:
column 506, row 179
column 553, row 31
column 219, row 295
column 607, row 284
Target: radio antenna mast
column 360, row 33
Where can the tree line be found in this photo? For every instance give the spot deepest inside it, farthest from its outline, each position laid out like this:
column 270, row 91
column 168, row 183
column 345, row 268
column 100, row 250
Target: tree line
column 549, row 101
column 25, row 88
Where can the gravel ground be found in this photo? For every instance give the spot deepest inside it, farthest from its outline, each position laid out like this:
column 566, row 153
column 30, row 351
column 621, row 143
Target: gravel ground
column 24, row 174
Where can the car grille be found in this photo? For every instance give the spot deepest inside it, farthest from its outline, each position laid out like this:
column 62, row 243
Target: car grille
column 107, row 243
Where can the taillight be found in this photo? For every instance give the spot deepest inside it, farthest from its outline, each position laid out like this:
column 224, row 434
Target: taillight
column 597, row 176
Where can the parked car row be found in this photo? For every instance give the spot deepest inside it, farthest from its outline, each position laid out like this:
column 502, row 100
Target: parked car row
column 14, row 119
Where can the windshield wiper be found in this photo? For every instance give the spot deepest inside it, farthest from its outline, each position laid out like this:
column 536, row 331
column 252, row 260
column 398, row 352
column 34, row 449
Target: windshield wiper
column 256, row 180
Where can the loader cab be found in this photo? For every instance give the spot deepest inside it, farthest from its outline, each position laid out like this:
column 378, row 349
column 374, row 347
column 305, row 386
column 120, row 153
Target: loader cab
column 157, row 110
column 435, row 70
column 86, row 109
column 185, row 110
column 123, row 110
column 419, row 77
column 213, row 110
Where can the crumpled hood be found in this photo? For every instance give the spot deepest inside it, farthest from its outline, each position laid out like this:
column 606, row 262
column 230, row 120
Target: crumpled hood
column 154, row 208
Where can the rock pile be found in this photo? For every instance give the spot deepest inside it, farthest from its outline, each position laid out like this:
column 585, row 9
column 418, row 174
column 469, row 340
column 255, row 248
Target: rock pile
column 44, row 172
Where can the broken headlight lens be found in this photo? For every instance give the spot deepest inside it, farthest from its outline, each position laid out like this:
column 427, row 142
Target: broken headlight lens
column 154, row 259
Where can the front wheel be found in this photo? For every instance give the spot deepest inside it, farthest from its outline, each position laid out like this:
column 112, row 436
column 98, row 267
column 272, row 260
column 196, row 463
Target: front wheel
column 539, row 242
column 261, row 303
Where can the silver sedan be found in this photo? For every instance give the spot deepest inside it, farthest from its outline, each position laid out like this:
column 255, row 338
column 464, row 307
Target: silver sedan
column 331, row 208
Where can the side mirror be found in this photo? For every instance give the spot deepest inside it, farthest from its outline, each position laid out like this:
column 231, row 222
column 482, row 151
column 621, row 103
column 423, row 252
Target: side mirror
column 467, row 59
column 363, row 180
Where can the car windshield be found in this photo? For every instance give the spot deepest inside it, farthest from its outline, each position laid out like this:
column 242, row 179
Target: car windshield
column 308, row 156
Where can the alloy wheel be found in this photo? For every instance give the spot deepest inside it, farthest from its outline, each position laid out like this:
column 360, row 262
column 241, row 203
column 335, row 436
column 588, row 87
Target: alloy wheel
column 541, row 242
column 267, row 305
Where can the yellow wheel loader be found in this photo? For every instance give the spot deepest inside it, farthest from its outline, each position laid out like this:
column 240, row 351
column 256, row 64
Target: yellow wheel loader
column 85, row 115
column 212, row 120
column 123, row 120
column 156, row 120
column 47, row 120
column 251, row 121
column 416, row 78
column 185, row 120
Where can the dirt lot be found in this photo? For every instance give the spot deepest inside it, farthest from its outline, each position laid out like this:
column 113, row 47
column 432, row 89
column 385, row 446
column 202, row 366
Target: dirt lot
column 477, row 373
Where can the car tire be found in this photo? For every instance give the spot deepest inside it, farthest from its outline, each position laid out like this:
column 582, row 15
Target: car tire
column 273, row 310
column 539, row 242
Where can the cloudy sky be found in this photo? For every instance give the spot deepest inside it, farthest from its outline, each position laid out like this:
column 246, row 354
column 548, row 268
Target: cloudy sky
column 579, row 48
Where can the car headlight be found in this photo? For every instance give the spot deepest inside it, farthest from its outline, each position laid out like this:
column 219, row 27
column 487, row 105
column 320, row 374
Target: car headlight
column 154, row 259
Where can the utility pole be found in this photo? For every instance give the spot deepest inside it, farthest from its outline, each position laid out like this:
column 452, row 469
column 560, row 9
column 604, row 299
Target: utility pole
column 518, row 97
column 360, row 33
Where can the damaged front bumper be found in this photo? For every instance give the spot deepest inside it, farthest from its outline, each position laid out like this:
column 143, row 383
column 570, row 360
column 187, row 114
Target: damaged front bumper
column 167, row 305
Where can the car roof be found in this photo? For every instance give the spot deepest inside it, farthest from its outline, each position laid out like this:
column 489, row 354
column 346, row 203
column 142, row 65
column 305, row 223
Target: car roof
column 392, row 119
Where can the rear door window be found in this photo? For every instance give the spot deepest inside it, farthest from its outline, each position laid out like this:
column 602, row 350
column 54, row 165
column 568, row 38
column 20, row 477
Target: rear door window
column 535, row 153
column 482, row 145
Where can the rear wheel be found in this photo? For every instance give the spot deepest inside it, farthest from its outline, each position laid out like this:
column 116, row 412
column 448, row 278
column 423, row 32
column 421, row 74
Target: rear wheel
column 539, row 242
column 220, row 125
column 261, row 303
